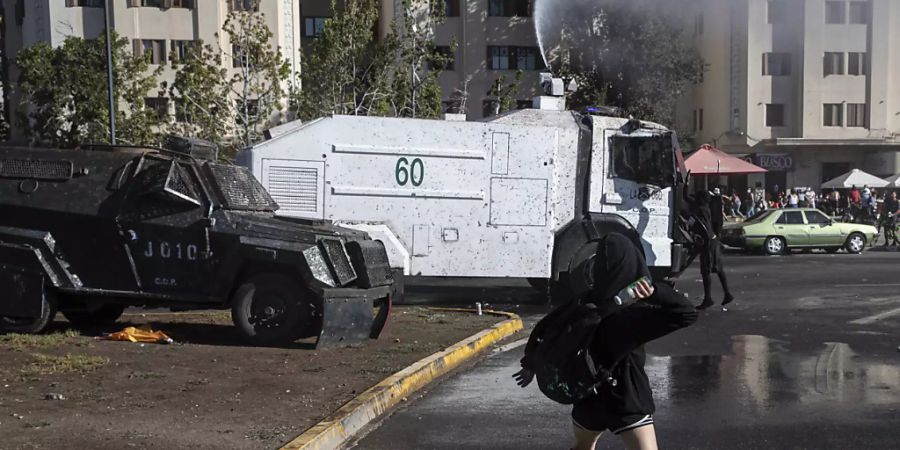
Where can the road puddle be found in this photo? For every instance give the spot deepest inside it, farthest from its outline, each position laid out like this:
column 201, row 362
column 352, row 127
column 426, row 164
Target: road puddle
column 762, row 374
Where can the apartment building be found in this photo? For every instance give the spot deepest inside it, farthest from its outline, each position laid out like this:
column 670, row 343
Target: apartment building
column 804, row 88
column 494, row 38
column 163, row 28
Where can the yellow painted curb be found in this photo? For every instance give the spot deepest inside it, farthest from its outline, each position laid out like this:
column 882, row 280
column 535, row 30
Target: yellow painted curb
column 336, row 429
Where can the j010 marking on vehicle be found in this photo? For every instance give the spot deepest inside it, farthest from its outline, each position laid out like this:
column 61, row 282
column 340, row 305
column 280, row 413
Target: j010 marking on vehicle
column 167, row 250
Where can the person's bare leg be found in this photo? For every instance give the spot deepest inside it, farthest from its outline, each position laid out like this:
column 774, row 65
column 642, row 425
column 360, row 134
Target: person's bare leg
column 641, row 438
column 585, row 439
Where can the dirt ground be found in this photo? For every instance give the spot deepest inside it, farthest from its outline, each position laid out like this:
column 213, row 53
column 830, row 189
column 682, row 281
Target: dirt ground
column 207, row 390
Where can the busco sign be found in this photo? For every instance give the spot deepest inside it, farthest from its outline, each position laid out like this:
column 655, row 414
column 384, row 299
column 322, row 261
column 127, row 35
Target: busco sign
column 777, row 162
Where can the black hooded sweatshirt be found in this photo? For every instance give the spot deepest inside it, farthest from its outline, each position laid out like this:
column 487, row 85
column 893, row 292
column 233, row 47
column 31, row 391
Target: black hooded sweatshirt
column 620, row 338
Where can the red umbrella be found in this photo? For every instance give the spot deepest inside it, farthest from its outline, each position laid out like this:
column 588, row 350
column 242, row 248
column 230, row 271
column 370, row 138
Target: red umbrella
column 709, row 160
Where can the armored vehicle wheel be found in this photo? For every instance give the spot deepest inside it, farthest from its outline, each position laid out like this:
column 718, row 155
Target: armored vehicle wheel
column 32, row 326
column 272, row 309
column 107, row 314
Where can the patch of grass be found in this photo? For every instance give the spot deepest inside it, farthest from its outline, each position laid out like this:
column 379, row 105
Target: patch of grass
column 22, row 342
column 56, row 365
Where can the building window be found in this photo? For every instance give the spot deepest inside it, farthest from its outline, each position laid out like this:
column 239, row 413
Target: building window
column 243, row 5
column 776, row 64
column 774, row 115
column 252, row 107
column 509, row 8
column 156, row 48
column 834, row 63
column 160, row 105
column 152, row 3
column 180, row 50
column 181, row 114
column 856, row 63
column 833, row 115
column 524, row 104
column 856, row 115
column 236, row 56
column 85, row 3
column 835, row 12
column 859, row 13
column 451, row 7
column 698, row 25
column 514, row 58
column 445, row 58
column 313, row 26
column 776, row 11
column 698, row 120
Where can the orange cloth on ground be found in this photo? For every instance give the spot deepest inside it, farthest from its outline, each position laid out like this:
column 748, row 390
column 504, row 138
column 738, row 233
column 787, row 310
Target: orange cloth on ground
column 132, row 334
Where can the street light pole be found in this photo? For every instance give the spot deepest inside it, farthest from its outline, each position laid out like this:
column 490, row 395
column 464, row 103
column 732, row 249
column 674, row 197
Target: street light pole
column 109, row 74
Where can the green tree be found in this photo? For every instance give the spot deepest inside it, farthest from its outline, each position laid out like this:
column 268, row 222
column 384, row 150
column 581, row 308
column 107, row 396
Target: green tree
column 350, row 71
column 257, row 83
column 633, row 55
column 416, row 89
column 347, row 70
column 200, row 92
column 503, row 95
column 64, row 99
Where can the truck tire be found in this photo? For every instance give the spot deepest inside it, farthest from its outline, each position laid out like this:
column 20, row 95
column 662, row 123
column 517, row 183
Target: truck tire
column 32, row 326
column 272, row 309
column 106, row 315
column 398, row 287
column 541, row 285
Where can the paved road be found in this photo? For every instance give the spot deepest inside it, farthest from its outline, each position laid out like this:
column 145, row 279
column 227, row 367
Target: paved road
column 807, row 359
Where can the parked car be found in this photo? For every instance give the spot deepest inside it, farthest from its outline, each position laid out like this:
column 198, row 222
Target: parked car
column 777, row 231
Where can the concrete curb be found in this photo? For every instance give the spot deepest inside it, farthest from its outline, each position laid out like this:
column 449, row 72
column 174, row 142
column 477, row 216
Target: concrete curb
column 338, row 428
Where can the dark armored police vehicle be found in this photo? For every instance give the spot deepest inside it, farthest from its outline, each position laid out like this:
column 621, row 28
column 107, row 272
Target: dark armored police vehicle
column 90, row 231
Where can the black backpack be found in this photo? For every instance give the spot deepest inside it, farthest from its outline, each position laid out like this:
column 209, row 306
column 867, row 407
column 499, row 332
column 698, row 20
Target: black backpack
column 557, row 352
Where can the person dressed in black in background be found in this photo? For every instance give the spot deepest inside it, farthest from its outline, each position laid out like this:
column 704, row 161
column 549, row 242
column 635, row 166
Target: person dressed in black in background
column 717, row 211
column 709, row 247
column 627, row 408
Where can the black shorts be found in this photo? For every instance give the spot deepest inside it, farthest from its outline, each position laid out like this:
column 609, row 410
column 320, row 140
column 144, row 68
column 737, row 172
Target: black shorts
column 617, row 424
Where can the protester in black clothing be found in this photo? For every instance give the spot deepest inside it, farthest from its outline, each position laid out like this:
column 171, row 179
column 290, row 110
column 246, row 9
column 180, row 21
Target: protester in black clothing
column 627, row 408
column 717, row 211
column 710, row 250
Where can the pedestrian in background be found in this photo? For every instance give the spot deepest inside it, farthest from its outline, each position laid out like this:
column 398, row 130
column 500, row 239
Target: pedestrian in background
column 854, row 196
column 710, row 251
column 835, row 201
column 793, row 200
column 626, row 408
column 717, row 211
column 736, row 205
column 751, row 203
column 811, row 198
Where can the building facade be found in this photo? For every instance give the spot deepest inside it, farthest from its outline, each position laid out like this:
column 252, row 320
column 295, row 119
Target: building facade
column 164, row 28
column 804, row 88
column 494, row 38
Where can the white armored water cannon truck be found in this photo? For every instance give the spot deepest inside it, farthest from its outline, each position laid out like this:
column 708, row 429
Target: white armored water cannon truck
column 525, row 194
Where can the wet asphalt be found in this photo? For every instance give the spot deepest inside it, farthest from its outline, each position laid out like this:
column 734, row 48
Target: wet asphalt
column 807, row 358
